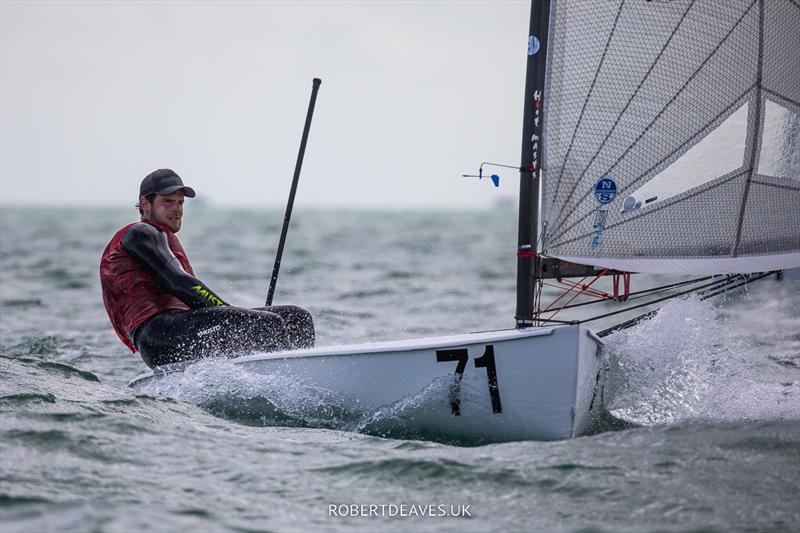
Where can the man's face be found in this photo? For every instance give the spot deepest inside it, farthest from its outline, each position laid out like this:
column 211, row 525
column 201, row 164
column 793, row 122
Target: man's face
column 166, row 210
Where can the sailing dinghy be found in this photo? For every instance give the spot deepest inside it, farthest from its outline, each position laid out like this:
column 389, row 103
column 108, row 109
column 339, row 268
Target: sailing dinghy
column 658, row 137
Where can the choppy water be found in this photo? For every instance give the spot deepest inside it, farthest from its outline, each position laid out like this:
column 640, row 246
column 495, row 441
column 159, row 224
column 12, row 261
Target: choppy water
column 708, row 393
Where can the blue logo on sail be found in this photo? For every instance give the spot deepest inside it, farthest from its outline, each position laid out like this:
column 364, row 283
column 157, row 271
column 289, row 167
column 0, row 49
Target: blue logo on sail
column 533, row 45
column 605, row 190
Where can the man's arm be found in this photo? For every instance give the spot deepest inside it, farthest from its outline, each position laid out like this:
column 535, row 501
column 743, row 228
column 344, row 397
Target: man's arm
column 149, row 246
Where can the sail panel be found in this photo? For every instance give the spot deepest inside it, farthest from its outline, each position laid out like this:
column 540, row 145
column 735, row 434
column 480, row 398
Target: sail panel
column 780, row 144
column 771, row 203
column 718, row 153
column 782, row 49
column 665, row 78
column 661, row 230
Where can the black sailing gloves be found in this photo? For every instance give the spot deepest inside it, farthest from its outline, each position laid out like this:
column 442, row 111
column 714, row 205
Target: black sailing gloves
column 149, row 246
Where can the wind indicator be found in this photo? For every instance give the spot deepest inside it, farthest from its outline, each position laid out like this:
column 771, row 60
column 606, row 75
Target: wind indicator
column 494, row 177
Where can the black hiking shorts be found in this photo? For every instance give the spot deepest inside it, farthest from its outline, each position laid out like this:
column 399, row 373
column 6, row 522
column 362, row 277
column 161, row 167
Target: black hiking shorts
column 175, row 336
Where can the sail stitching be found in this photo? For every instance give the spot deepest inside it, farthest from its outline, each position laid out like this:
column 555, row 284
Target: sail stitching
column 667, row 203
column 667, row 105
column 665, row 158
column 624, row 110
column 757, row 127
column 588, row 96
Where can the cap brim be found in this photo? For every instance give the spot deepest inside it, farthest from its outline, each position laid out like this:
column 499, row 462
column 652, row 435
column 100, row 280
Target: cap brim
column 187, row 191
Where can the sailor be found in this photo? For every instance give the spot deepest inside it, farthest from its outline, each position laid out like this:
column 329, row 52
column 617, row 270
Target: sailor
column 159, row 308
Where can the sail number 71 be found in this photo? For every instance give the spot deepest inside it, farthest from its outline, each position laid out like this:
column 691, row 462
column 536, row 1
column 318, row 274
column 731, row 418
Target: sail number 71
column 484, row 361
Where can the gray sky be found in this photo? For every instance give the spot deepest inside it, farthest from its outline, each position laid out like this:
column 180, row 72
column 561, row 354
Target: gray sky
column 96, row 94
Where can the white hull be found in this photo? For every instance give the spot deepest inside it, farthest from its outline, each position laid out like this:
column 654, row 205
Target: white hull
column 548, row 381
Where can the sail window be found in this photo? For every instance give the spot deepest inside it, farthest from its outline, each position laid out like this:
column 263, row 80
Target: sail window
column 780, row 144
column 715, row 155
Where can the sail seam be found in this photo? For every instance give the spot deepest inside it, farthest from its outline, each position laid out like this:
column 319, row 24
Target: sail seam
column 724, row 112
column 757, row 127
column 779, row 95
column 588, row 97
column 625, row 108
column 776, row 185
column 664, row 109
column 667, row 203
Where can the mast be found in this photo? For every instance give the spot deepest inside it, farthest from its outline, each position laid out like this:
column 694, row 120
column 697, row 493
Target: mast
column 528, row 261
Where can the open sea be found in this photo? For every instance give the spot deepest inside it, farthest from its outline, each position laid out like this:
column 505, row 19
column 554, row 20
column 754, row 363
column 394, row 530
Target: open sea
column 703, row 432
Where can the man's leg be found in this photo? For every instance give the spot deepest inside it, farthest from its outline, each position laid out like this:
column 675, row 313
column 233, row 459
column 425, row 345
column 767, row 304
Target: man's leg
column 209, row 332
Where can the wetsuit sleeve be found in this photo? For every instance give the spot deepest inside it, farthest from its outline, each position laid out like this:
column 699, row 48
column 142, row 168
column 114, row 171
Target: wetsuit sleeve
column 149, row 246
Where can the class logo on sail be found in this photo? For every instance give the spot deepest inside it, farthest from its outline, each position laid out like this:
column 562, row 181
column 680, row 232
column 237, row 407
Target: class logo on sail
column 605, row 190
column 533, row 45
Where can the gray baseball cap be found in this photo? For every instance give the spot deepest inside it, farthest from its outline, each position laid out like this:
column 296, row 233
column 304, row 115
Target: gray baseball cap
column 164, row 182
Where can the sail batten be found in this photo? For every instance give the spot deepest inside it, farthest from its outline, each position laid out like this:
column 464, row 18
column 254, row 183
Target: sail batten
column 640, row 163
column 756, row 130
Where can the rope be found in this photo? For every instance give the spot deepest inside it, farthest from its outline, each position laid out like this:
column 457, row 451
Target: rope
column 583, row 288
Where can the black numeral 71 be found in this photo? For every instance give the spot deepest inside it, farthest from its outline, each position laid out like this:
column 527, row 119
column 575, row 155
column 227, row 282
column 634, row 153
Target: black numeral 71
column 485, row 361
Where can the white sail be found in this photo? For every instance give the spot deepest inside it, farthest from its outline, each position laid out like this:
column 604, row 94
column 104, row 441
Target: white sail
column 672, row 136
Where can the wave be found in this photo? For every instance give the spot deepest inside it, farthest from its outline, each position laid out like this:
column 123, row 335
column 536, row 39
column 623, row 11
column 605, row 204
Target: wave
column 688, row 363
column 27, row 397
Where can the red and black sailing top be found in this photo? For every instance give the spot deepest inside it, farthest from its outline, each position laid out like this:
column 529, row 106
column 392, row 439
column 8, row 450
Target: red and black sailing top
column 144, row 271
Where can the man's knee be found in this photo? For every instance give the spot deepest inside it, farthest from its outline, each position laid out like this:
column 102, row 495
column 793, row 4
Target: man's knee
column 291, row 314
column 299, row 326
column 297, row 314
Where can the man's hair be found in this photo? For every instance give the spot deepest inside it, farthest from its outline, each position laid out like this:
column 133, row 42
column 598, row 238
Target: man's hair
column 149, row 198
